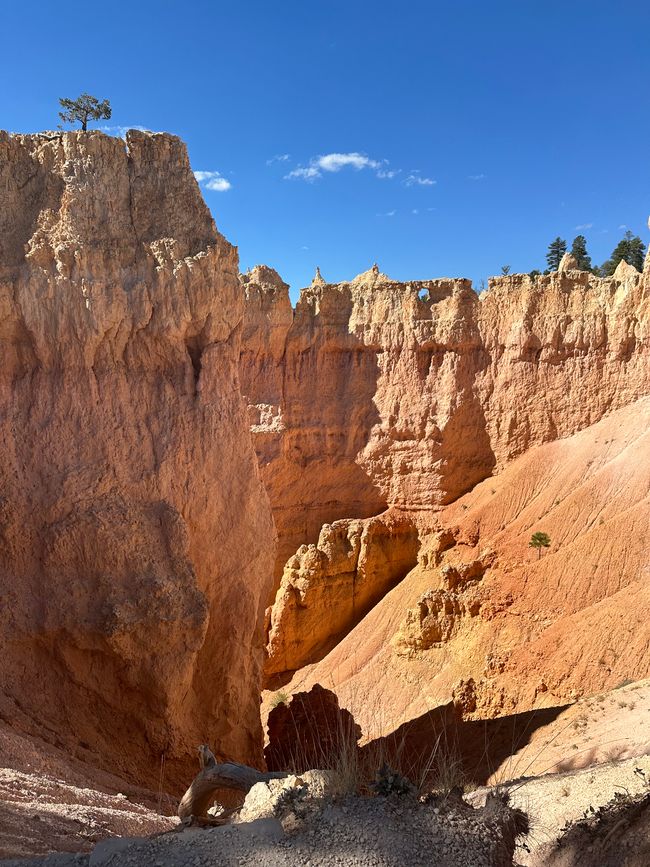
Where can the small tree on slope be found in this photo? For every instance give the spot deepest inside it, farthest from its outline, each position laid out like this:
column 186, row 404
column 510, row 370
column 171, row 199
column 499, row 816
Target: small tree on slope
column 83, row 109
column 539, row 540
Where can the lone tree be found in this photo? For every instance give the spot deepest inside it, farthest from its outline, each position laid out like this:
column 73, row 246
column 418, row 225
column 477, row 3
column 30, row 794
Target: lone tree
column 505, row 270
column 539, row 540
column 579, row 253
column 83, row 109
column 556, row 249
column 630, row 249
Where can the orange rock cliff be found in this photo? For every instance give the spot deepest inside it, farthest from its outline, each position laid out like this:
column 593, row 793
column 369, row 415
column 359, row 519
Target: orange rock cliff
column 392, row 400
column 136, row 539
column 409, row 438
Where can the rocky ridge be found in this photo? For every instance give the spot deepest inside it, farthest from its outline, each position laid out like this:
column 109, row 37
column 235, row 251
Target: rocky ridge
column 122, row 563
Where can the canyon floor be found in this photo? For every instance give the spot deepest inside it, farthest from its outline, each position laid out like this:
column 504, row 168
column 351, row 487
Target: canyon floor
column 591, row 750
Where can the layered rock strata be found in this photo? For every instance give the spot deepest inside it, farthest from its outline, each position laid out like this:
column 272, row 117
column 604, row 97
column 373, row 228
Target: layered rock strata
column 136, row 540
column 378, row 395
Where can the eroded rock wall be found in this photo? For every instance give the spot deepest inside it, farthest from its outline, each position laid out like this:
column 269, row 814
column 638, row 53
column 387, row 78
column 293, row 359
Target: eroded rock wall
column 136, row 540
column 328, row 587
column 564, row 350
column 370, row 402
column 485, row 621
column 377, row 395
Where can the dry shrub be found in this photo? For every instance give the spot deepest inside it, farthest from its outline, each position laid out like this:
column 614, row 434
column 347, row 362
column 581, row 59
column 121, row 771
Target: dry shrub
column 312, row 731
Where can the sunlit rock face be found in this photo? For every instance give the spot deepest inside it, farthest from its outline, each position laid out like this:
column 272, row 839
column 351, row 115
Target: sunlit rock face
column 374, row 395
column 136, row 537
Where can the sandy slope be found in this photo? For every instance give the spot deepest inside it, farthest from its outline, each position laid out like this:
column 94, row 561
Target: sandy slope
column 552, row 800
column 547, row 631
column 52, row 802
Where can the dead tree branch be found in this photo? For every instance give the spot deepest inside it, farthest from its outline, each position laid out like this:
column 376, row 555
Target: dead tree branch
column 214, row 776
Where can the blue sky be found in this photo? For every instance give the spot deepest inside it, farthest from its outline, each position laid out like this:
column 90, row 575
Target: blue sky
column 440, row 139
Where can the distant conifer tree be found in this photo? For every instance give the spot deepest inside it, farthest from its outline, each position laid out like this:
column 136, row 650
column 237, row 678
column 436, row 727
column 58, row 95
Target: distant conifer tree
column 83, row 109
column 630, row 249
column 556, row 249
column 579, row 253
column 539, row 541
column 505, row 270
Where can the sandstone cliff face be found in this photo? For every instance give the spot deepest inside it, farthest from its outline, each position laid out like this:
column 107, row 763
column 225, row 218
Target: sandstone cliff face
column 132, row 590
column 419, row 390
column 372, row 391
column 377, row 394
column 564, row 350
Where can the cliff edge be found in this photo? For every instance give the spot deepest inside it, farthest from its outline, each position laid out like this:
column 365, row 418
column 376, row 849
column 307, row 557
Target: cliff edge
column 132, row 591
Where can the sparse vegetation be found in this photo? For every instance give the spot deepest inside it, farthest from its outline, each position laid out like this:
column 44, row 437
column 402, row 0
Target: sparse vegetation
column 629, row 249
column 556, row 249
column 385, row 765
column 84, row 108
column 279, row 698
column 539, row 540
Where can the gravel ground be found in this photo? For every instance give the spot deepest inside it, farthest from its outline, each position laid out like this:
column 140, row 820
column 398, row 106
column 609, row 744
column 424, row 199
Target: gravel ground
column 358, row 832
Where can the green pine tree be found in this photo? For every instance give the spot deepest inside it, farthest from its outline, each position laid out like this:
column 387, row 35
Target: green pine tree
column 556, row 249
column 579, row 253
column 636, row 253
column 629, row 249
column 83, row 109
column 539, row 540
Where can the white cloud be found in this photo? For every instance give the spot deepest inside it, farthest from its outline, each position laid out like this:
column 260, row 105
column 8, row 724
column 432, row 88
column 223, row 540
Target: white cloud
column 417, row 179
column 622, row 226
column 388, row 173
column 334, row 162
column 304, row 174
column 415, row 211
column 476, row 177
column 388, row 214
column 213, row 181
column 279, row 158
column 584, row 226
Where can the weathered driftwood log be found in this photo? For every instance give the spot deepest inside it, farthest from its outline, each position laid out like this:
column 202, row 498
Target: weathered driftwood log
column 214, row 776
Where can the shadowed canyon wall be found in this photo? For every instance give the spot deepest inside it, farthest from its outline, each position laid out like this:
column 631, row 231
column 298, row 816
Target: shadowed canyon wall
column 131, row 618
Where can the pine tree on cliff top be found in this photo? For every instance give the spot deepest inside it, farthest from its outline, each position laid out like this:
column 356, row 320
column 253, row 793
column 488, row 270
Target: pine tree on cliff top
column 556, row 249
column 630, row 249
column 84, row 108
column 579, row 253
